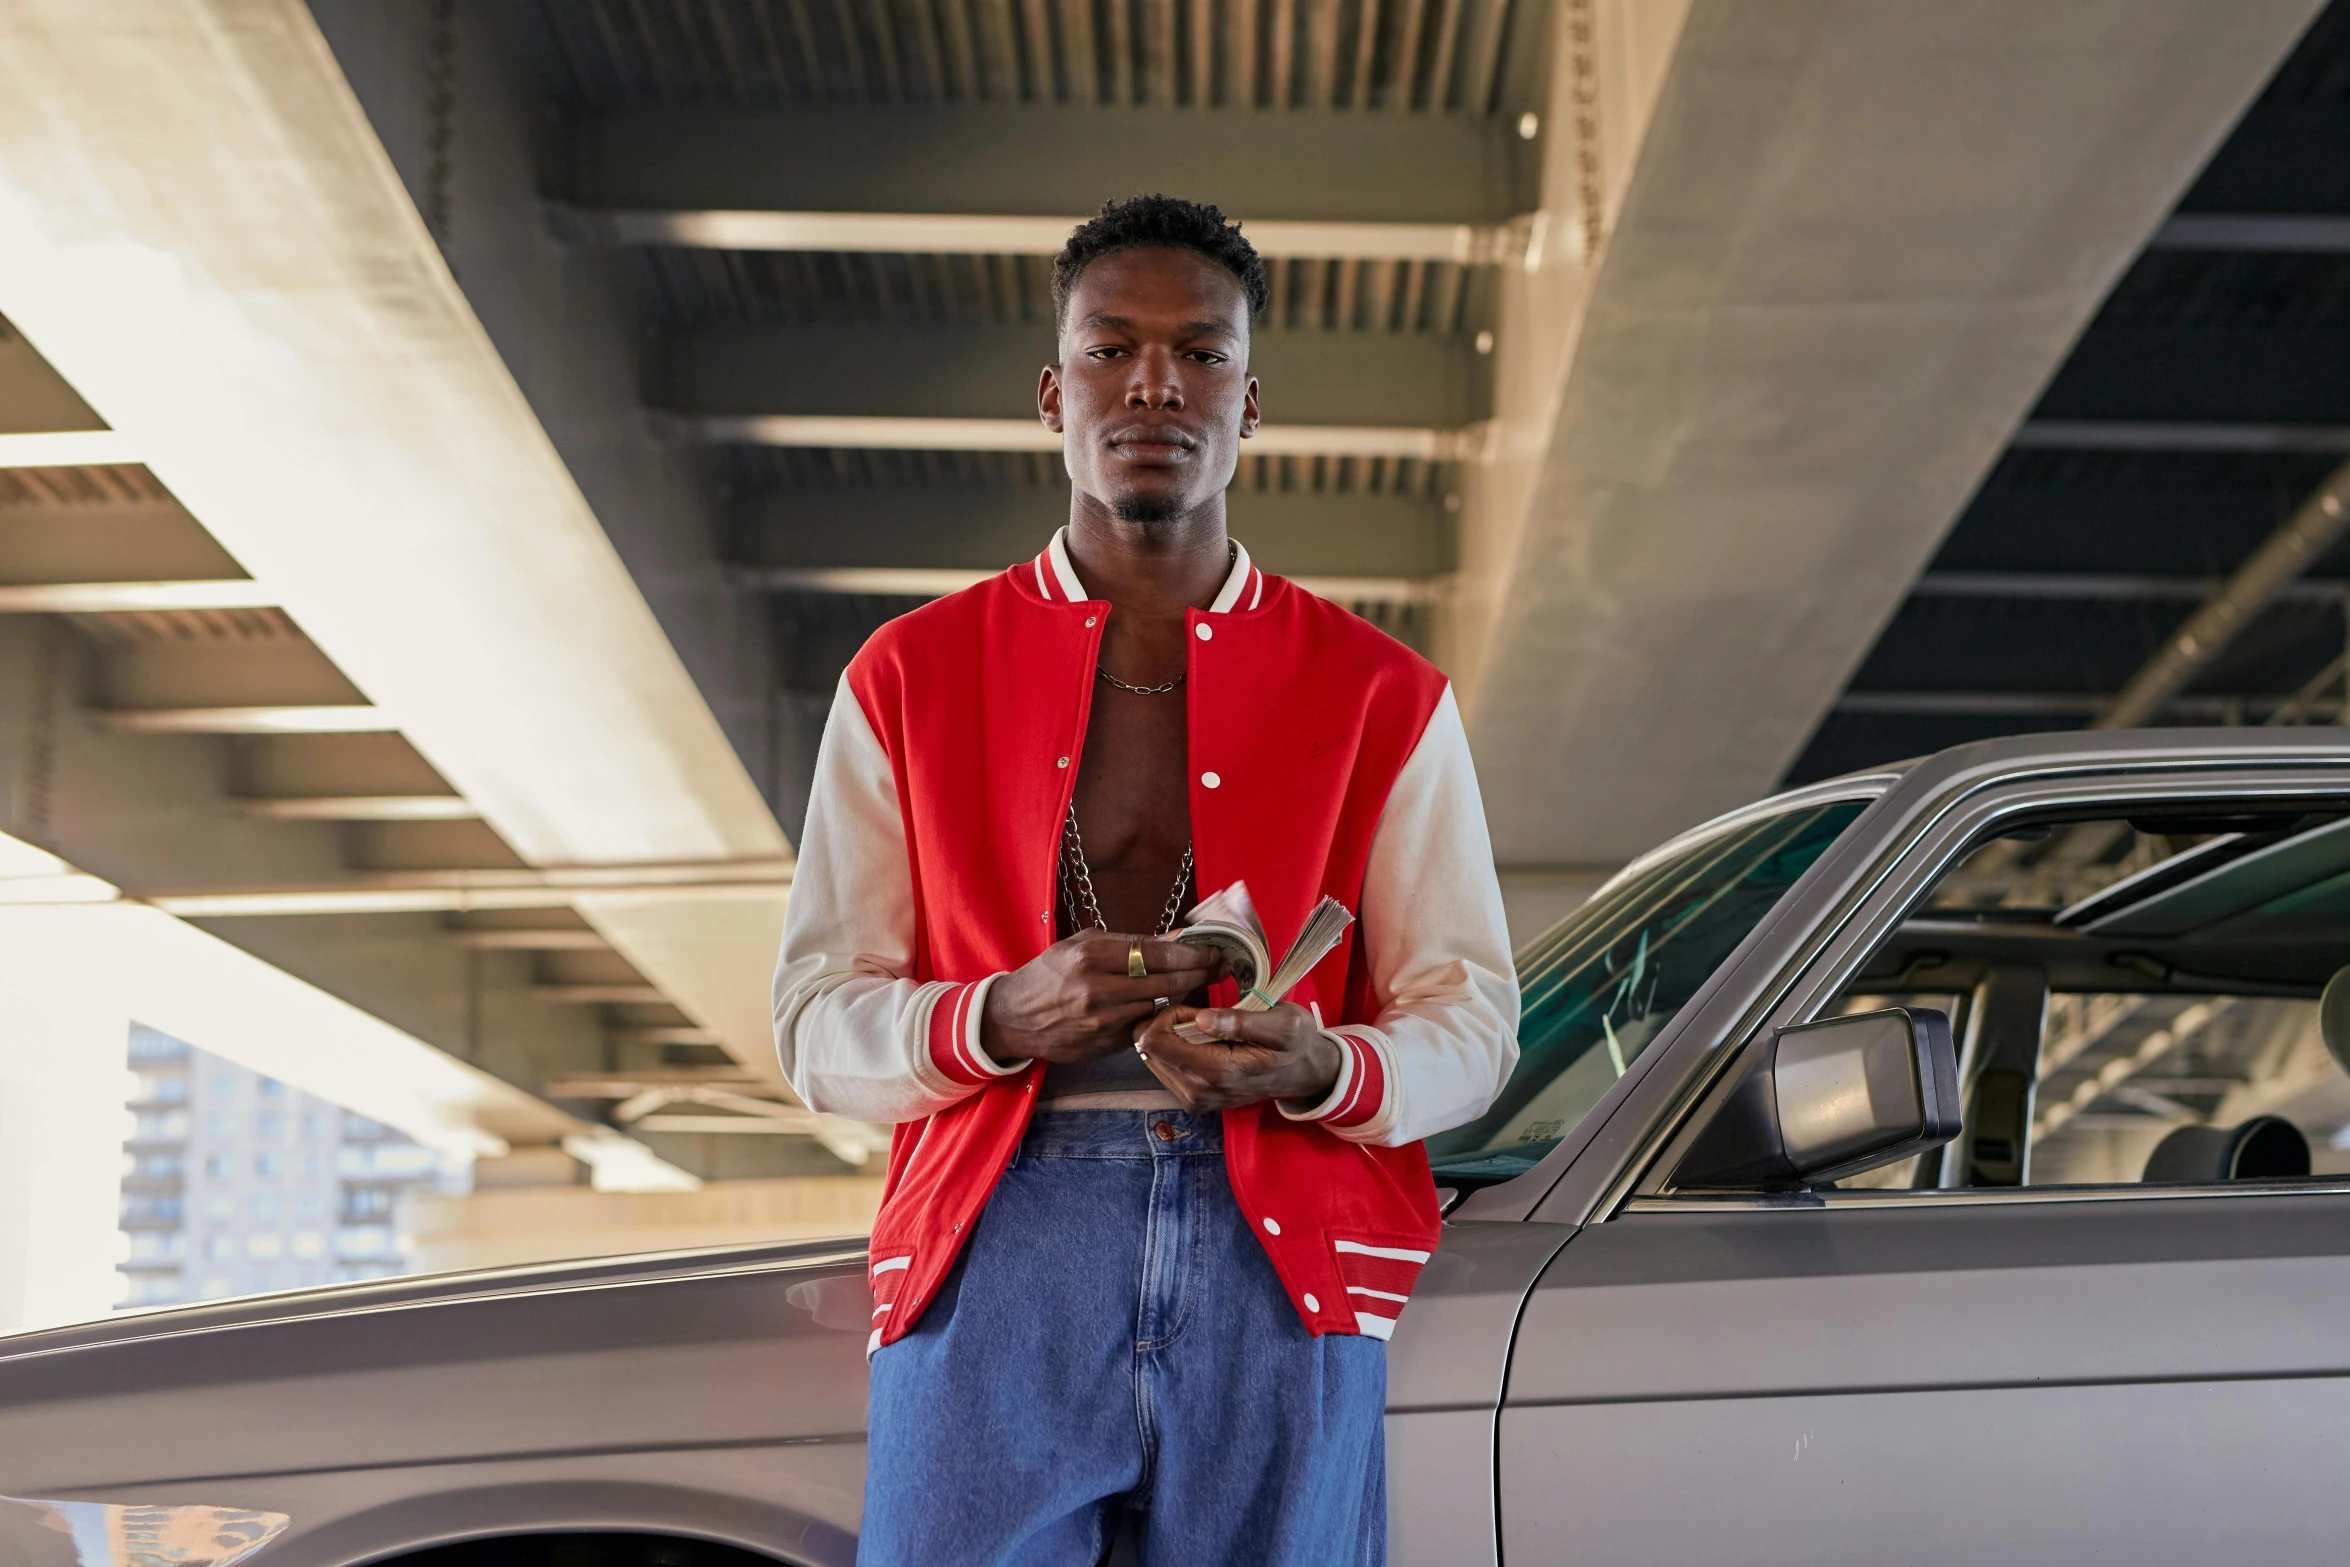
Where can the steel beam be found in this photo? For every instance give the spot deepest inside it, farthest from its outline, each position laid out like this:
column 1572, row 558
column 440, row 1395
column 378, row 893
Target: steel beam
column 345, row 718
column 625, row 1085
column 362, row 808
column 1299, row 533
column 475, row 891
column 514, row 940
column 2312, row 530
column 897, row 433
column 2076, row 586
column 666, row 1034
column 600, row 994
column 1017, row 159
column 959, row 234
column 1378, row 378
column 932, row 582
column 2048, row 704
column 2147, row 435
column 2291, row 234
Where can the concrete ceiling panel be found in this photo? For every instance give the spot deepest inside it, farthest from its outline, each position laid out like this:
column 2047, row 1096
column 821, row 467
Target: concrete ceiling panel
column 1858, row 238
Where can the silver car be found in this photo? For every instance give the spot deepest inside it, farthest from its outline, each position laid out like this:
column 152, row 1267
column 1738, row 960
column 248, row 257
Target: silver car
column 1941, row 1165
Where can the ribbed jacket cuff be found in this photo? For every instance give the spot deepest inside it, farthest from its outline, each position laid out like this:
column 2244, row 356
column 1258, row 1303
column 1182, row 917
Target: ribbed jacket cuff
column 1360, row 1092
column 954, row 1036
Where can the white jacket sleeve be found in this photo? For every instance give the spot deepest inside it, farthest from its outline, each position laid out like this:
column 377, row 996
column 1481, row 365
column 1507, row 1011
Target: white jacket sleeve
column 858, row 1036
column 1438, row 949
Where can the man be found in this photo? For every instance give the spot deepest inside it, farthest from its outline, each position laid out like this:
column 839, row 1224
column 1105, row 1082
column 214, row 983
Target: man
column 1117, row 1270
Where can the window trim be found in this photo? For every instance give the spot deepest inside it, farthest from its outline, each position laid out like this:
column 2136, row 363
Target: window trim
column 1528, row 1195
column 1907, row 866
column 1982, row 1196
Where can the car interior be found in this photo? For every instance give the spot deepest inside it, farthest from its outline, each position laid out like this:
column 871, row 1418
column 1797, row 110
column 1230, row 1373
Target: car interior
column 2160, row 997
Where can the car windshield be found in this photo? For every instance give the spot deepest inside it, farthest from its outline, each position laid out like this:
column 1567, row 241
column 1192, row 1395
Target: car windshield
column 1606, row 980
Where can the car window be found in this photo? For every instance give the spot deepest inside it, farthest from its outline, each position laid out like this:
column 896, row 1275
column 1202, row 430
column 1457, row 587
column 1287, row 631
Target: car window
column 2137, row 1000
column 1606, row 980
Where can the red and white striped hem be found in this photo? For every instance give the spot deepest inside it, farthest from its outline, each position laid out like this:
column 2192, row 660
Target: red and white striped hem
column 1379, row 1282
column 886, row 1275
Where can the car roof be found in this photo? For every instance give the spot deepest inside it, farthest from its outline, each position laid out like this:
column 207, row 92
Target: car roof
column 2019, row 753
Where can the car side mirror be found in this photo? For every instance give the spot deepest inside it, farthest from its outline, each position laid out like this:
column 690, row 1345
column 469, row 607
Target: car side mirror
column 1827, row 1100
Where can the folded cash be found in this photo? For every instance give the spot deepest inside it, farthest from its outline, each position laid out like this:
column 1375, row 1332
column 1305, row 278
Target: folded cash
column 1227, row 921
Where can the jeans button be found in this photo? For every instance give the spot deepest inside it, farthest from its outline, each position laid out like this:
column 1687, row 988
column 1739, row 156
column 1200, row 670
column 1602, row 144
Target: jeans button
column 1166, row 1133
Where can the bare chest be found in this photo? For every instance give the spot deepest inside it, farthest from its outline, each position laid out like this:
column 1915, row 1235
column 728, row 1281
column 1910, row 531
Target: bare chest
column 1133, row 804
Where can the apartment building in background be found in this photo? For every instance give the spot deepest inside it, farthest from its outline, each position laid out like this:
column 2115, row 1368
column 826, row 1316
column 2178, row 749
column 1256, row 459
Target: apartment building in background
column 235, row 1183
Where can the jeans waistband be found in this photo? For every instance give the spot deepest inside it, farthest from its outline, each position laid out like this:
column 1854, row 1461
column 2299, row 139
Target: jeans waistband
column 1122, row 1134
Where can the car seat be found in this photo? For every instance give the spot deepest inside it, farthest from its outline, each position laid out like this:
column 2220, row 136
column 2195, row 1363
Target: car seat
column 2265, row 1148
column 2333, row 1017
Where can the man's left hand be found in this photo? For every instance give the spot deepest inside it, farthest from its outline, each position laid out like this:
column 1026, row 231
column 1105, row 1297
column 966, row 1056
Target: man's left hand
column 1281, row 1053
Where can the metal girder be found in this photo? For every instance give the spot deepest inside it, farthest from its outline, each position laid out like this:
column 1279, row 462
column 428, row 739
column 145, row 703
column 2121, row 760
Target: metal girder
column 1043, row 161
column 466, row 891
column 2312, row 530
column 933, row 582
column 2273, row 232
column 961, row 234
column 893, row 432
column 626, row 1085
column 2101, row 585
column 361, row 808
column 665, row 1034
column 512, row 940
column 971, row 371
column 601, row 994
column 2047, row 704
column 342, row 718
column 1296, row 533
column 2053, row 1117
column 2147, row 435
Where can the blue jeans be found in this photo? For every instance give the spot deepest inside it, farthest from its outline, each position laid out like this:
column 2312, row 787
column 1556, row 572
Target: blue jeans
column 1114, row 1340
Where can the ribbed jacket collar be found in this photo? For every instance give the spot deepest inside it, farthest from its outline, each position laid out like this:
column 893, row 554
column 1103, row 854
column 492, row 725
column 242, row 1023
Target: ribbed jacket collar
column 1056, row 578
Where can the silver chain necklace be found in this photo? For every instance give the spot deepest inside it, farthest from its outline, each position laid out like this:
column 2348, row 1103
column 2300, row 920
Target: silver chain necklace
column 1138, row 690
column 1077, row 883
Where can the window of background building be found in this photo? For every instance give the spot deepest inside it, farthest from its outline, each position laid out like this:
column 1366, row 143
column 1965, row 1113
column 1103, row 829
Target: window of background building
column 271, row 1220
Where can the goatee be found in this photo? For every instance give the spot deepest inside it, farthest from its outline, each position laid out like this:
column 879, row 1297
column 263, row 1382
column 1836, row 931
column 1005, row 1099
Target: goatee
column 1145, row 509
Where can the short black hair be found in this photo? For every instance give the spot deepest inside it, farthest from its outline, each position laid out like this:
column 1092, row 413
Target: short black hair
column 1143, row 221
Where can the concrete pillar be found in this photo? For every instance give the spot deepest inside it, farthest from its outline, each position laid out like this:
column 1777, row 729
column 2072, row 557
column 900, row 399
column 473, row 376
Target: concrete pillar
column 64, row 1085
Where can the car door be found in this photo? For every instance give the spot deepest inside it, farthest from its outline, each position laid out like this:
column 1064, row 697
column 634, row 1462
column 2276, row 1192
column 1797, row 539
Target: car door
column 1937, row 1379
column 1939, row 1374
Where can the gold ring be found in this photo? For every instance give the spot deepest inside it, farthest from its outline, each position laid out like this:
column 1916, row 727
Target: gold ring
column 1135, row 967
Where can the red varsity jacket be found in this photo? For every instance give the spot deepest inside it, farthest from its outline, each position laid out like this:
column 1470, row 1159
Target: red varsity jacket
column 1325, row 757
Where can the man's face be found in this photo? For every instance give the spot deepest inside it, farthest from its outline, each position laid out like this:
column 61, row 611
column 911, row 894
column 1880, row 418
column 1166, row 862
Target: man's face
column 1152, row 394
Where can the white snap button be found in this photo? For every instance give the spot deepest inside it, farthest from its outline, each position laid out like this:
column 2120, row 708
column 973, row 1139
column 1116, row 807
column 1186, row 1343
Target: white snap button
column 1063, row 762
column 1090, row 619
column 1313, row 1304
column 1272, row 1226
column 1210, row 781
column 1207, row 633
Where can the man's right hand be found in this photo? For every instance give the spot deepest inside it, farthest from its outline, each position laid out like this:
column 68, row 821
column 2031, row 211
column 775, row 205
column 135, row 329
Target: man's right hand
column 1075, row 1001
